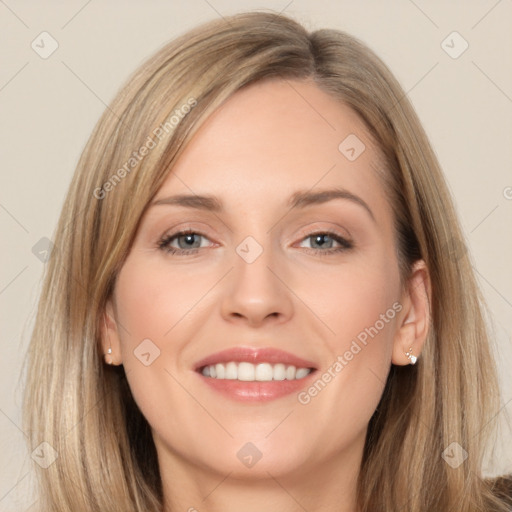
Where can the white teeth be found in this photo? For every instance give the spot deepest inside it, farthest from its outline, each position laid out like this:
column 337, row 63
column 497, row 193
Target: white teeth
column 264, row 371
column 246, row 371
column 280, row 371
column 249, row 372
column 220, row 371
column 231, row 371
column 301, row 373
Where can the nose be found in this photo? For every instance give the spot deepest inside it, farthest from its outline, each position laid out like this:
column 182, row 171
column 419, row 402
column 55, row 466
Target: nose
column 257, row 292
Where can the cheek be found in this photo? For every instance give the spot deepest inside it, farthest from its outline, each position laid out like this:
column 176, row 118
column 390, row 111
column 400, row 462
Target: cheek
column 359, row 304
column 151, row 300
column 357, row 298
column 151, row 306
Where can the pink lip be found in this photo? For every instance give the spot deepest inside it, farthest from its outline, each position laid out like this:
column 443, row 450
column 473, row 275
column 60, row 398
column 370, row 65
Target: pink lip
column 255, row 391
column 255, row 356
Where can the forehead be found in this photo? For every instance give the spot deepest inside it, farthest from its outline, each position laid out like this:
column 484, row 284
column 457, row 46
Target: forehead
column 273, row 138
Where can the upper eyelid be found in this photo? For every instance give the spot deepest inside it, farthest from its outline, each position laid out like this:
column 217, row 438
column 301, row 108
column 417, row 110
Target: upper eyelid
column 188, row 226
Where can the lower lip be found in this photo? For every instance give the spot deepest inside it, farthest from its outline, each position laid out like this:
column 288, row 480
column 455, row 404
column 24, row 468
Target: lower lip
column 257, row 391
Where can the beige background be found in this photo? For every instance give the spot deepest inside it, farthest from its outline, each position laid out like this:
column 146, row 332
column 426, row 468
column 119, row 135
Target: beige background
column 49, row 107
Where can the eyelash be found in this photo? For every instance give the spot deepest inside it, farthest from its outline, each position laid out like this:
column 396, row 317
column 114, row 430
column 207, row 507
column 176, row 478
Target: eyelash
column 165, row 241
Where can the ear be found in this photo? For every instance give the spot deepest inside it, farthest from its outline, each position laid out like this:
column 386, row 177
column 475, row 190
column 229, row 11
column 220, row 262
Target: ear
column 110, row 336
column 414, row 319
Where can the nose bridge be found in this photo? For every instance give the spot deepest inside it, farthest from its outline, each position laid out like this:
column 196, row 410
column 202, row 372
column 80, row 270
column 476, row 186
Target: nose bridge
column 255, row 293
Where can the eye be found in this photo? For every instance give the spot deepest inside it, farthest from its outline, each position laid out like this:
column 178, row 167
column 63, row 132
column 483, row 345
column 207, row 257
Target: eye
column 183, row 242
column 324, row 242
column 188, row 242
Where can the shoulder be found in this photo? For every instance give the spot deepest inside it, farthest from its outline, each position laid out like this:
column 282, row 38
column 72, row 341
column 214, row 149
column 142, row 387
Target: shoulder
column 501, row 486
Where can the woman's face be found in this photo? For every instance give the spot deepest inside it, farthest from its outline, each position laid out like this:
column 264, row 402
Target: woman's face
column 290, row 262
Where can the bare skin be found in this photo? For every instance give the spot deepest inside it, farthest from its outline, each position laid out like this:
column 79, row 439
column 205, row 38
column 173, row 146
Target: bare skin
column 300, row 295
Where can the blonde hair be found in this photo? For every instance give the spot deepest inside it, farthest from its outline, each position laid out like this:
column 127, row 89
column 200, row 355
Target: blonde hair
column 84, row 409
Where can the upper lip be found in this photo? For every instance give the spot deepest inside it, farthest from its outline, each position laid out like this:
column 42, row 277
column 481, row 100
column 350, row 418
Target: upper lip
column 255, row 356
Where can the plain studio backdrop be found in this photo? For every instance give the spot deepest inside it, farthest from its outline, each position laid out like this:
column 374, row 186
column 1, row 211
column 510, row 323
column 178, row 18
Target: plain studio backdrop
column 62, row 63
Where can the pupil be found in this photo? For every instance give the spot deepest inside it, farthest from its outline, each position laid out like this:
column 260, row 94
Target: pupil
column 189, row 239
column 320, row 239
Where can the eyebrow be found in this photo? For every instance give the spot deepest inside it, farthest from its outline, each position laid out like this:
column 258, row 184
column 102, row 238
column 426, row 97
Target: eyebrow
column 299, row 199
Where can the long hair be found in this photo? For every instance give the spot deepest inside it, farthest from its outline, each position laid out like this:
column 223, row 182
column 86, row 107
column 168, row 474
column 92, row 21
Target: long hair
column 105, row 455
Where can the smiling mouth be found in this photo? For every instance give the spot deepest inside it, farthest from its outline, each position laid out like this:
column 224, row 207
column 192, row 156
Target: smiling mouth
column 249, row 372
